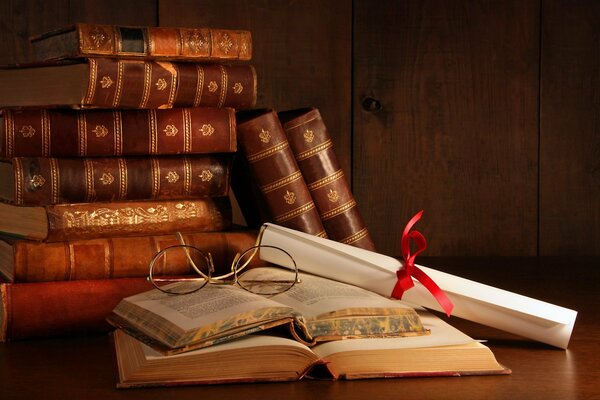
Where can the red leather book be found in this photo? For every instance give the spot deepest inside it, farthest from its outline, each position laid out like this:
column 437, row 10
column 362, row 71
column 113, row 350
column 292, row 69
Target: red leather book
column 268, row 181
column 44, row 180
column 59, row 222
column 312, row 146
column 116, row 257
column 62, row 308
column 196, row 44
column 103, row 133
column 118, row 83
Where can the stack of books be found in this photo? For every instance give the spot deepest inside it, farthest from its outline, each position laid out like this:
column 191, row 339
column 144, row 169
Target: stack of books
column 116, row 139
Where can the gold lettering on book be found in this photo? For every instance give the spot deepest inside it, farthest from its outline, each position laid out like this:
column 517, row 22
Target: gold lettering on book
column 309, row 136
column 161, row 84
column 207, row 130
column 27, row 131
column 213, row 86
column 264, row 135
column 107, row 178
column 238, row 88
column 37, row 181
column 244, row 49
column 100, row 131
column 106, row 82
column 226, row 43
column 333, row 196
column 170, row 130
column 206, row 175
column 289, row 197
column 172, row 177
column 130, row 216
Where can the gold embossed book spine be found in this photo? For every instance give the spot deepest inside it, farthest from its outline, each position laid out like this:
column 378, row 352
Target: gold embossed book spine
column 46, row 180
column 119, row 83
column 312, row 146
column 104, row 133
column 195, row 44
column 272, row 169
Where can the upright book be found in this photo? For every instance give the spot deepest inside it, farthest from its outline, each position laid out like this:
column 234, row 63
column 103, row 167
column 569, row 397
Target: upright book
column 267, row 179
column 270, row 358
column 120, row 83
column 312, row 146
column 105, row 133
column 44, row 180
column 196, row 44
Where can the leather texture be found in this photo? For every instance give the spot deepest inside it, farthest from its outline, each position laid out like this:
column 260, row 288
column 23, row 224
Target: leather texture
column 312, row 146
column 44, row 180
column 102, row 133
column 121, row 257
column 274, row 171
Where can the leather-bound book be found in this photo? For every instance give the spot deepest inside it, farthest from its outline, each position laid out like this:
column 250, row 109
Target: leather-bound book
column 44, row 180
column 271, row 182
column 59, row 222
column 44, row 309
column 104, row 133
column 118, row 83
column 313, row 149
column 196, row 44
column 116, row 257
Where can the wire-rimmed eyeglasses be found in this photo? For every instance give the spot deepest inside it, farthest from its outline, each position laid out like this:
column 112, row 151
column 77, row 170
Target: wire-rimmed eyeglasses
column 202, row 264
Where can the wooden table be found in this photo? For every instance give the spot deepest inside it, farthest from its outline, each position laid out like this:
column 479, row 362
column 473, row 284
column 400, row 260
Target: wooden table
column 83, row 368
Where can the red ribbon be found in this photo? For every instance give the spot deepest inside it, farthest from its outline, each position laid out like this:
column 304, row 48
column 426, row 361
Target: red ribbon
column 410, row 270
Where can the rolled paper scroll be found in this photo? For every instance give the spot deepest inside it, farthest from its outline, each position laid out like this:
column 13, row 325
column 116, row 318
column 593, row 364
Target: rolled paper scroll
column 484, row 304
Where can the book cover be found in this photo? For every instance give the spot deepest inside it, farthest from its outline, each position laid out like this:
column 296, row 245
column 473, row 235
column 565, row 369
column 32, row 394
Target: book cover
column 32, row 181
column 146, row 42
column 267, row 178
column 312, row 146
column 120, row 83
column 105, row 133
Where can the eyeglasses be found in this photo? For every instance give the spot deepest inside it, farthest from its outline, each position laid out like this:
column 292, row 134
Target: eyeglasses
column 278, row 280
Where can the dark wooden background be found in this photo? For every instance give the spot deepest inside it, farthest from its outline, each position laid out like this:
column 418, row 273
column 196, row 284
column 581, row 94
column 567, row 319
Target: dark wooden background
column 486, row 114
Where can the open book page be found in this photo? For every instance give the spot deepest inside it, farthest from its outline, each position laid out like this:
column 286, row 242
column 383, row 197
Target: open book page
column 334, row 310
column 215, row 310
column 442, row 334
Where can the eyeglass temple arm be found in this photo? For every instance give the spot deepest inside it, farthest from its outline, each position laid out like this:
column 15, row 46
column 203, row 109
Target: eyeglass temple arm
column 209, row 259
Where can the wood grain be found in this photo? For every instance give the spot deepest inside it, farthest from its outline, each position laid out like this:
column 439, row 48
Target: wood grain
column 457, row 132
column 301, row 51
column 570, row 128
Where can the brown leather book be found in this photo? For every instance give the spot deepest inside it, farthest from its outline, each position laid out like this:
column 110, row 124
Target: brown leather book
column 313, row 149
column 103, row 133
column 44, row 180
column 118, row 83
column 116, row 257
column 196, row 44
column 271, row 184
column 62, row 308
column 54, row 223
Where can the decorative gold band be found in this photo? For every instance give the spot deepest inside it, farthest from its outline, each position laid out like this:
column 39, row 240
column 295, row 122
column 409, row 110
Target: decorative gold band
column 281, row 182
column 326, row 180
column 317, row 149
column 355, row 237
column 294, row 213
column 267, row 152
column 338, row 210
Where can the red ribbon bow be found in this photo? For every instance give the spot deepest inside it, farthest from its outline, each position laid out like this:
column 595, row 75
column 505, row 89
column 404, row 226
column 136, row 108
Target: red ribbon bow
column 410, row 270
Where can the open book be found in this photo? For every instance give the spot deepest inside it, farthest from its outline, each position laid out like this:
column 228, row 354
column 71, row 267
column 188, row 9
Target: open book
column 260, row 357
column 315, row 310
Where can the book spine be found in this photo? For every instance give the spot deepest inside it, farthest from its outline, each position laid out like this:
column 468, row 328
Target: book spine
column 44, row 181
column 312, row 146
column 62, row 308
column 103, row 133
column 120, row 257
column 201, row 44
column 274, row 170
column 120, row 83
column 132, row 218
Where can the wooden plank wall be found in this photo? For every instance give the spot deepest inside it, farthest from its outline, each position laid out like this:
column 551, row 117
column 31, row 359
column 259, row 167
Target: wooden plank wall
column 483, row 113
